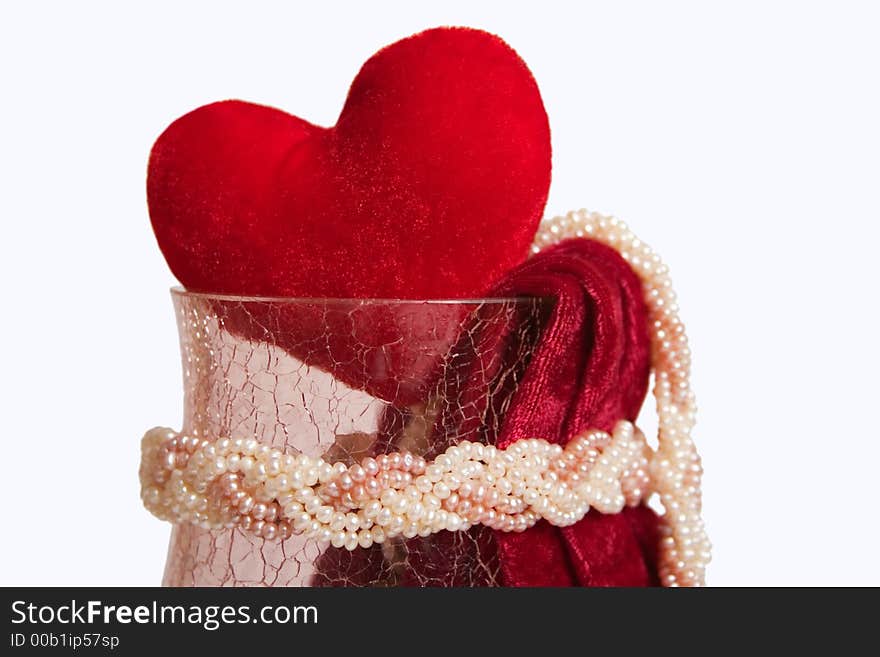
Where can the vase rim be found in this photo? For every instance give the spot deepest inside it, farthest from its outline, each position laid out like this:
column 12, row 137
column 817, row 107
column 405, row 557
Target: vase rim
column 179, row 291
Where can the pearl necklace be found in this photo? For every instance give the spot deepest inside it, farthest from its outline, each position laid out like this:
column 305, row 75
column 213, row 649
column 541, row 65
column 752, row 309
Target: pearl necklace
column 241, row 483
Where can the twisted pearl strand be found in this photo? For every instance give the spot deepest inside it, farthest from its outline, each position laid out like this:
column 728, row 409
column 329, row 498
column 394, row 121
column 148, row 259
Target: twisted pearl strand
column 228, row 483
column 675, row 468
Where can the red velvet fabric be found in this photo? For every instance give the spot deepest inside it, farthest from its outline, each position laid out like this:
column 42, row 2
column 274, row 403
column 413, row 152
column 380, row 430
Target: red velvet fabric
column 442, row 148
column 590, row 370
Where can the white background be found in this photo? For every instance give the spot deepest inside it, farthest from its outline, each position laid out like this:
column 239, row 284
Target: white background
column 740, row 139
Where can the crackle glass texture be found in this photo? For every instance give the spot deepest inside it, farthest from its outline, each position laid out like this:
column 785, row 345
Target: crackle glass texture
column 345, row 379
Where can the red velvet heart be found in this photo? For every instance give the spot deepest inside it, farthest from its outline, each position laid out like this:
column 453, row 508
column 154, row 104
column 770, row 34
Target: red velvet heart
column 431, row 184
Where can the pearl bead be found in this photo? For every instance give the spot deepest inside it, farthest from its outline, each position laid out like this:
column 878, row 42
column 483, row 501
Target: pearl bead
column 365, row 538
column 324, row 514
column 401, row 504
column 384, row 517
column 337, row 522
column 434, row 472
column 372, row 508
column 351, row 522
column 441, row 490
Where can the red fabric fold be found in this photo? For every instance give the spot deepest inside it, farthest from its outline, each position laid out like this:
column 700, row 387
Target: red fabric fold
column 589, row 370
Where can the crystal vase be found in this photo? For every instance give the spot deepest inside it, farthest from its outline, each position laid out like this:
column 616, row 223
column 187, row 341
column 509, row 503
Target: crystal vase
column 342, row 379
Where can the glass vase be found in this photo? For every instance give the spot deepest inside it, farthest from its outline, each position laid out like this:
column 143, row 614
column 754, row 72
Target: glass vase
column 342, row 379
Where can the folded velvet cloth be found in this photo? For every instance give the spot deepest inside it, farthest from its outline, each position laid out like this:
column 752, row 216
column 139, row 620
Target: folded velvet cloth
column 590, row 369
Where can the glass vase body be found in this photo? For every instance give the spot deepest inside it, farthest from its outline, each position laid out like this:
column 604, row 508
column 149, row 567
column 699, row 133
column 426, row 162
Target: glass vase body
column 342, row 379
